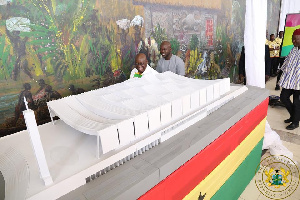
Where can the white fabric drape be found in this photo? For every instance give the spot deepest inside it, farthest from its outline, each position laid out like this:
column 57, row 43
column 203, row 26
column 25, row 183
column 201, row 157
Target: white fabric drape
column 254, row 40
column 274, row 144
column 287, row 6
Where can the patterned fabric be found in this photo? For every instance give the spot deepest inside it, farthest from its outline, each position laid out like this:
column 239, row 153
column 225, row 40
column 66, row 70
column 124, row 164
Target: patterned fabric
column 42, row 93
column 267, row 42
column 278, row 41
column 273, row 53
column 290, row 78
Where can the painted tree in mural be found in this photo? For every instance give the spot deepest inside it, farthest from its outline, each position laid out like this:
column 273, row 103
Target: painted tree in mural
column 11, row 40
column 43, row 41
column 194, row 56
column 175, row 45
column 62, row 41
column 63, row 38
column 229, row 36
column 159, row 34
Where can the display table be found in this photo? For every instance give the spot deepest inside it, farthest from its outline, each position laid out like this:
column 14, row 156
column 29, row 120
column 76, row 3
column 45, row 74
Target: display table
column 216, row 157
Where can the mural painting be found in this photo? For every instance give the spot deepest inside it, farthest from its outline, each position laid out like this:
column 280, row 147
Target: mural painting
column 54, row 48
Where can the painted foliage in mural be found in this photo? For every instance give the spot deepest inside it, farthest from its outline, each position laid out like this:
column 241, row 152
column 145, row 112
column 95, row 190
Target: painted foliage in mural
column 54, row 48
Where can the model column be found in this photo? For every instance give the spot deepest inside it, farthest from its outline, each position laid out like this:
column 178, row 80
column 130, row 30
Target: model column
column 37, row 144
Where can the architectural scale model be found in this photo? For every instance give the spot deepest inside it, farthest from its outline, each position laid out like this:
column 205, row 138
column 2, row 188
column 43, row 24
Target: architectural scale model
column 103, row 130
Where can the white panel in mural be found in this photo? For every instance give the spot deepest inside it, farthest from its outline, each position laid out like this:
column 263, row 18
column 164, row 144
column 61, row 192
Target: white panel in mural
column 4, row 2
column 18, row 24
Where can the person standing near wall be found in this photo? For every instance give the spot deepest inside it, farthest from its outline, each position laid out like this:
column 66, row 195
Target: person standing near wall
column 290, row 82
column 242, row 71
column 274, row 54
column 278, row 40
column 267, row 63
column 169, row 62
column 280, row 59
column 267, row 41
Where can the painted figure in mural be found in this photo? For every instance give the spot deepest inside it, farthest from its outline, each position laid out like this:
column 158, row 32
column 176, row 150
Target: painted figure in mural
column 41, row 93
column 169, row 62
column 76, row 90
column 19, row 45
column 274, row 54
column 281, row 59
column 20, row 107
column 51, row 94
column 290, row 82
column 141, row 67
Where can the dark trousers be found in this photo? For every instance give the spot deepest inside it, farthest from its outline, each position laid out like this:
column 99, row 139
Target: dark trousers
column 293, row 108
column 281, row 60
column 278, row 76
column 274, row 65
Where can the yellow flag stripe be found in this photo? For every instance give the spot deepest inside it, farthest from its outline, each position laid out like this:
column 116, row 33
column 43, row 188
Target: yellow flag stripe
column 212, row 183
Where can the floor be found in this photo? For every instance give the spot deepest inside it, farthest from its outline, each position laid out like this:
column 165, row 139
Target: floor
column 290, row 139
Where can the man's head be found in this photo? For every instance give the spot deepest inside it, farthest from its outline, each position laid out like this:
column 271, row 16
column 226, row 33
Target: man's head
column 141, row 62
column 27, row 86
column 166, row 50
column 41, row 82
column 48, row 88
column 71, row 87
column 296, row 38
column 272, row 37
column 280, row 34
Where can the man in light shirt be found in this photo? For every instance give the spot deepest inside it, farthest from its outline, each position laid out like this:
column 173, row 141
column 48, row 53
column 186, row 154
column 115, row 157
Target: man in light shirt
column 141, row 67
column 278, row 40
column 274, row 54
column 169, row 62
column 290, row 82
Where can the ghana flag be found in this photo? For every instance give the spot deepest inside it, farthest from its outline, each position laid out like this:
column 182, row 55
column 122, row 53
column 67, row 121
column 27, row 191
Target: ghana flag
column 292, row 22
column 223, row 169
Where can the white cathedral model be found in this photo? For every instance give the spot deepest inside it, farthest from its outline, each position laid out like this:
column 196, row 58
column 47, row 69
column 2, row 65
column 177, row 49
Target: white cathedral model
column 101, row 129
